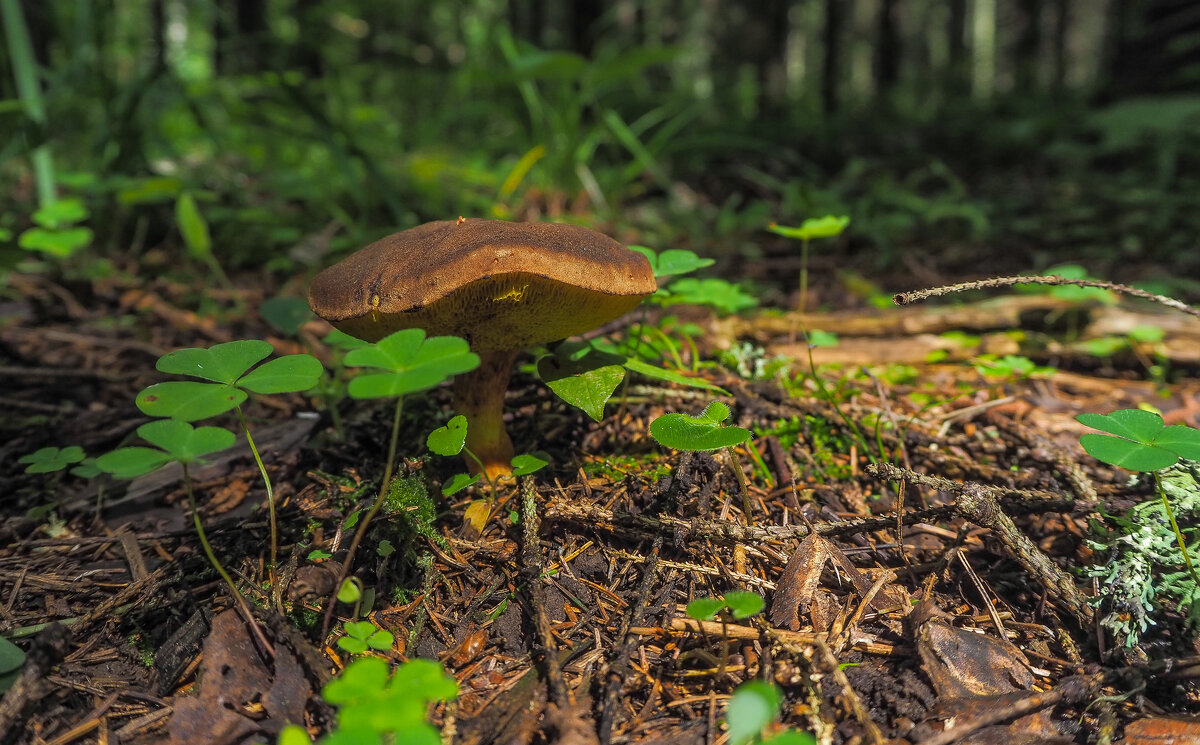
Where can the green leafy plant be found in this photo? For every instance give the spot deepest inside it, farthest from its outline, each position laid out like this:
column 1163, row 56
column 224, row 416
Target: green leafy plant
column 179, row 442
column 12, row 658
column 706, row 432
column 828, row 226
column 56, row 232
column 399, row 365
column 753, row 706
column 228, row 368
column 51, row 459
column 363, row 635
column 1139, row 441
column 1012, row 366
column 737, row 604
column 373, row 704
column 450, row 440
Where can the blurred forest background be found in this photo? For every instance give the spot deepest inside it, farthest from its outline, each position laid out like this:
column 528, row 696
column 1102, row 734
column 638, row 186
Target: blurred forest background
column 264, row 138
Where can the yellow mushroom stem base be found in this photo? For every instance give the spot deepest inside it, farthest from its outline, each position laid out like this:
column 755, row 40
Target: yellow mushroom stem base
column 479, row 396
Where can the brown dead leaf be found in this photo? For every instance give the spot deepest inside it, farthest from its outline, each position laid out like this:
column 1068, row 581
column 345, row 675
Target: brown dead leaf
column 1163, row 731
column 799, row 581
column 239, row 697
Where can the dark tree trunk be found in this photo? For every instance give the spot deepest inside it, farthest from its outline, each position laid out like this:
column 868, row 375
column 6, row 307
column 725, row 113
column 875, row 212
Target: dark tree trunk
column 306, row 55
column 831, row 69
column 253, row 39
column 956, row 37
column 158, row 32
column 887, row 49
column 1062, row 22
column 1028, row 45
column 585, row 17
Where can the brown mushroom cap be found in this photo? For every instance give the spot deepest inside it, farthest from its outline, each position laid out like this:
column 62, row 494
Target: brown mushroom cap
column 500, row 285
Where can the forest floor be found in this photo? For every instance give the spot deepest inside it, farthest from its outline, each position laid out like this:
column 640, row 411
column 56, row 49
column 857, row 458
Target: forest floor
column 891, row 610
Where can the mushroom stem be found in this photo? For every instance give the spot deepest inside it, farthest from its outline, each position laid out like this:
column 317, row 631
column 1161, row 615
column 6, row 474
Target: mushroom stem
column 479, row 396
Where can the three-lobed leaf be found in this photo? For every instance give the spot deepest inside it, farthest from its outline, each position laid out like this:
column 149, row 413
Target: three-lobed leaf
column 176, row 440
column 702, row 432
column 743, row 604
column 1138, row 440
column 412, row 363
column 226, row 366
column 51, row 459
column 673, row 261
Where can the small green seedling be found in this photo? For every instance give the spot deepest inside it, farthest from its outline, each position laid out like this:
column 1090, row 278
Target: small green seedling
column 828, row 226
column 177, row 442
column 754, row 706
column 673, row 262
column 705, row 432
column 400, row 364
column 372, row 704
column 11, row 660
column 56, row 233
column 723, row 296
column 1013, row 366
column 51, row 459
column 736, row 604
column 363, row 635
column 228, row 368
column 450, row 440
column 1139, row 441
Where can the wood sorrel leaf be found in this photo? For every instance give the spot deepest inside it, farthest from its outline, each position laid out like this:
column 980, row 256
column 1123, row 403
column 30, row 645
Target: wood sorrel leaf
column 183, row 442
column 51, row 459
column 1138, row 440
column 673, row 261
column 814, row 227
column 449, row 439
column 705, row 609
column 189, row 400
column 131, row 462
column 289, row 374
column 752, row 707
column 413, row 362
column 220, row 363
column 743, row 604
column 703, row 432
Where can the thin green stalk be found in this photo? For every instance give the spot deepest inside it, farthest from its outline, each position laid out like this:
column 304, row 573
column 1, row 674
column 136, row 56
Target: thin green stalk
column 366, row 519
column 803, row 275
column 1175, row 527
column 212, row 559
column 262, row 469
column 20, row 52
column 743, row 483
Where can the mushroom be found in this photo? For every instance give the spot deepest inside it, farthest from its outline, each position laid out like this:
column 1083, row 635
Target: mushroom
column 502, row 286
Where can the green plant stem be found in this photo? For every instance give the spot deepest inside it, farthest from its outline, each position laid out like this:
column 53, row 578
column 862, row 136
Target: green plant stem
column 670, row 346
column 482, row 470
column 1162, row 494
column 743, row 484
column 212, row 559
column 20, row 52
column 803, row 275
column 276, row 591
column 366, row 519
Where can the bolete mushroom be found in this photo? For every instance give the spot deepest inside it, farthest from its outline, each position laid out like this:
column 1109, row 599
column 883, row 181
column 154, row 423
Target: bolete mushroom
column 502, row 286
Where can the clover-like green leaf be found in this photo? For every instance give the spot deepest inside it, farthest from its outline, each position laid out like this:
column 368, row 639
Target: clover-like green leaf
column 413, row 363
column 189, row 400
column 220, row 363
column 1138, row 440
column 743, row 604
column 814, row 227
column 724, row 296
column 526, row 463
column 351, row 590
column 178, row 440
column 61, row 213
column 673, row 261
column 753, row 706
column 705, row 609
column 703, row 432
column 364, row 678
column 450, row 438
column 288, row 374
column 788, row 737
column 51, row 459
column 425, row 678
